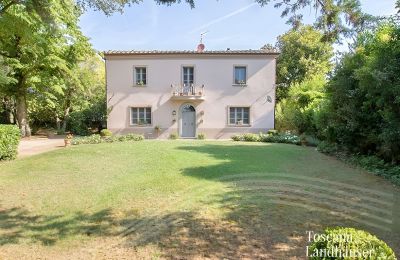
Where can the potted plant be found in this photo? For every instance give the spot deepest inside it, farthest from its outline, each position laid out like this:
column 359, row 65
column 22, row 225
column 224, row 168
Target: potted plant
column 67, row 139
column 140, row 83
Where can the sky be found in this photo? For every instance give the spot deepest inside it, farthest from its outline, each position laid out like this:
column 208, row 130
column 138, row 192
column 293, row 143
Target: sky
column 234, row 24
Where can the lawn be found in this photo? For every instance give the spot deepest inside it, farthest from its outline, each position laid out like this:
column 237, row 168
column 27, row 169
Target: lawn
column 192, row 199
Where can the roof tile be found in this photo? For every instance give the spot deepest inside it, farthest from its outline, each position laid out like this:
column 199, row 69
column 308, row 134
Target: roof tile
column 146, row 52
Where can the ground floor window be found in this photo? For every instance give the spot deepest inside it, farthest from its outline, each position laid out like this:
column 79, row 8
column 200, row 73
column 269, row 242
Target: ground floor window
column 239, row 116
column 141, row 115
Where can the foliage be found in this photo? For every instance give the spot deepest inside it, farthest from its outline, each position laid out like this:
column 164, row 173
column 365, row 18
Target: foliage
column 93, row 117
column 344, row 239
column 327, row 147
column 97, row 139
column 335, row 18
column 41, row 46
column 363, row 107
column 173, row 136
column 249, row 137
column 303, row 56
column 105, row 132
column 287, row 138
column 9, row 140
column 201, row 136
column 300, row 111
column 272, row 132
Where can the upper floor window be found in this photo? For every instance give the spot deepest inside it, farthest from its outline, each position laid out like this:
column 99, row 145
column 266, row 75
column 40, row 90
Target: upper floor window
column 140, row 115
column 188, row 75
column 140, row 76
column 240, row 75
column 239, row 116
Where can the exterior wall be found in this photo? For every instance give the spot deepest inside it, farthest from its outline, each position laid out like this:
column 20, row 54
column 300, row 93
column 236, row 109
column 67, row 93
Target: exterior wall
column 216, row 73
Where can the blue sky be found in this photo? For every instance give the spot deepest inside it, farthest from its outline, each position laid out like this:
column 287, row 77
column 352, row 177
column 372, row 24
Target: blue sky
column 235, row 24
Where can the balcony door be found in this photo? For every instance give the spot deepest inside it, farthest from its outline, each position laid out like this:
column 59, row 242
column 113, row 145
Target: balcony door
column 188, row 79
column 188, row 121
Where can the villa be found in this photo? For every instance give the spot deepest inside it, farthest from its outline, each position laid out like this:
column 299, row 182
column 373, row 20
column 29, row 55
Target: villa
column 216, row 93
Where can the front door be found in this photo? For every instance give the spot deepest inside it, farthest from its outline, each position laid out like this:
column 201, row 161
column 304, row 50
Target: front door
column 188, row 121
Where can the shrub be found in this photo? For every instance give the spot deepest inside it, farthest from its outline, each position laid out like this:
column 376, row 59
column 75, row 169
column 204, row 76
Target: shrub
column 344, row 239
column 287, row 138
column 251, row 137
column 9, row 140
column 105, row 132
column 96, row 139
column 134, row 137
column 273, row 132
column 173, row 136
column 201, row 136
column 237, row 137
column 327, row 147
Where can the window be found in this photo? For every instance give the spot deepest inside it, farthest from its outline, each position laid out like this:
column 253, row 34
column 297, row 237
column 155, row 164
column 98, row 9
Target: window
column 239, row 115
column 141, row 115
column 240, row 75
column 188, row 75
column 140, row 76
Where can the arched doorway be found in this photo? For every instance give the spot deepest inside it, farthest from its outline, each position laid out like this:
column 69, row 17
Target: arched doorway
column 187, row 121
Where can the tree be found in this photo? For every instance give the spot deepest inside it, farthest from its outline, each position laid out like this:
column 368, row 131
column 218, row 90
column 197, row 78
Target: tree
column 363, row 96
column 41, row 46
column 300, row 110
column 303, row 55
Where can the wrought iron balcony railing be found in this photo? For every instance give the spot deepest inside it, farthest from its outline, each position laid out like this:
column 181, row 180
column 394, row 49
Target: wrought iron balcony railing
column 187, row 91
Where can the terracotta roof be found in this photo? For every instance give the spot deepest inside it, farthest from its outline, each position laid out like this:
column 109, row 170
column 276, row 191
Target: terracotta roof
column 150, row 52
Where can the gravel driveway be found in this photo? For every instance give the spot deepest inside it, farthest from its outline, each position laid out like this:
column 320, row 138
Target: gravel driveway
column 39, row 144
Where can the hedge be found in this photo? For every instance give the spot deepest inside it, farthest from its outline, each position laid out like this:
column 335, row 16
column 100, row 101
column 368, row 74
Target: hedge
column 97, row 139
column 9, row 140
column 349, row 243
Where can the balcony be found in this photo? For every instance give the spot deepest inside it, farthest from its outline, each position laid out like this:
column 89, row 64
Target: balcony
column 187, row 92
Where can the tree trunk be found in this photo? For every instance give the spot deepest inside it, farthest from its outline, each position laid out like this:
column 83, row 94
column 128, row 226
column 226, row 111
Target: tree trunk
column 58, row 124
column 66, row 116
column 22, row 116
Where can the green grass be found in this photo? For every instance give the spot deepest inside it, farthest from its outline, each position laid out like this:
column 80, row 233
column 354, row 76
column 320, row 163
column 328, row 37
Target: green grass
column 188, row 198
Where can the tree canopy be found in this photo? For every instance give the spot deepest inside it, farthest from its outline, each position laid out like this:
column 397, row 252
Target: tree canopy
column 303, row 56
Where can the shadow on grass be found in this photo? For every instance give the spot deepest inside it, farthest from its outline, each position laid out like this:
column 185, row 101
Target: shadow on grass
column 273, row 195
column 17, row 224
column 279, row 192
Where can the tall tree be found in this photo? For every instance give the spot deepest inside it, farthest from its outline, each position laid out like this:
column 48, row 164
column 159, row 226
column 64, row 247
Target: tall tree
column 364, row 96
column 303, row 55
column 34, row 44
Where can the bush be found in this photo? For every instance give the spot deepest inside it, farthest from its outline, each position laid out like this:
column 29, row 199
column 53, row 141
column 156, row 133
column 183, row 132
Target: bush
column 96, row 139
column 237, row 137
column 309, row 140
column 251, row 137
column 201, row 136
column 345, row 239
column 105, row 132
column 272, row 132
column 173, row 136
column 9, row 140
column 327, row 147
column 286, row 138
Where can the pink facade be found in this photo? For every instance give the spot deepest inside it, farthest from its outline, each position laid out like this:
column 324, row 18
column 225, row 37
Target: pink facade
column 218, row 93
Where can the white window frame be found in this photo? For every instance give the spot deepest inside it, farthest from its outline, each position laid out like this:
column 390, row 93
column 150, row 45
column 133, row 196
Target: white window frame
column 135, row 78
column 138, row 117
column 236, row 119
column 234, row 75
column 183, row 73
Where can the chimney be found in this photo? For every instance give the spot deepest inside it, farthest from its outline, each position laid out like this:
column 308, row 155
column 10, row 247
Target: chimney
column 200, row 47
